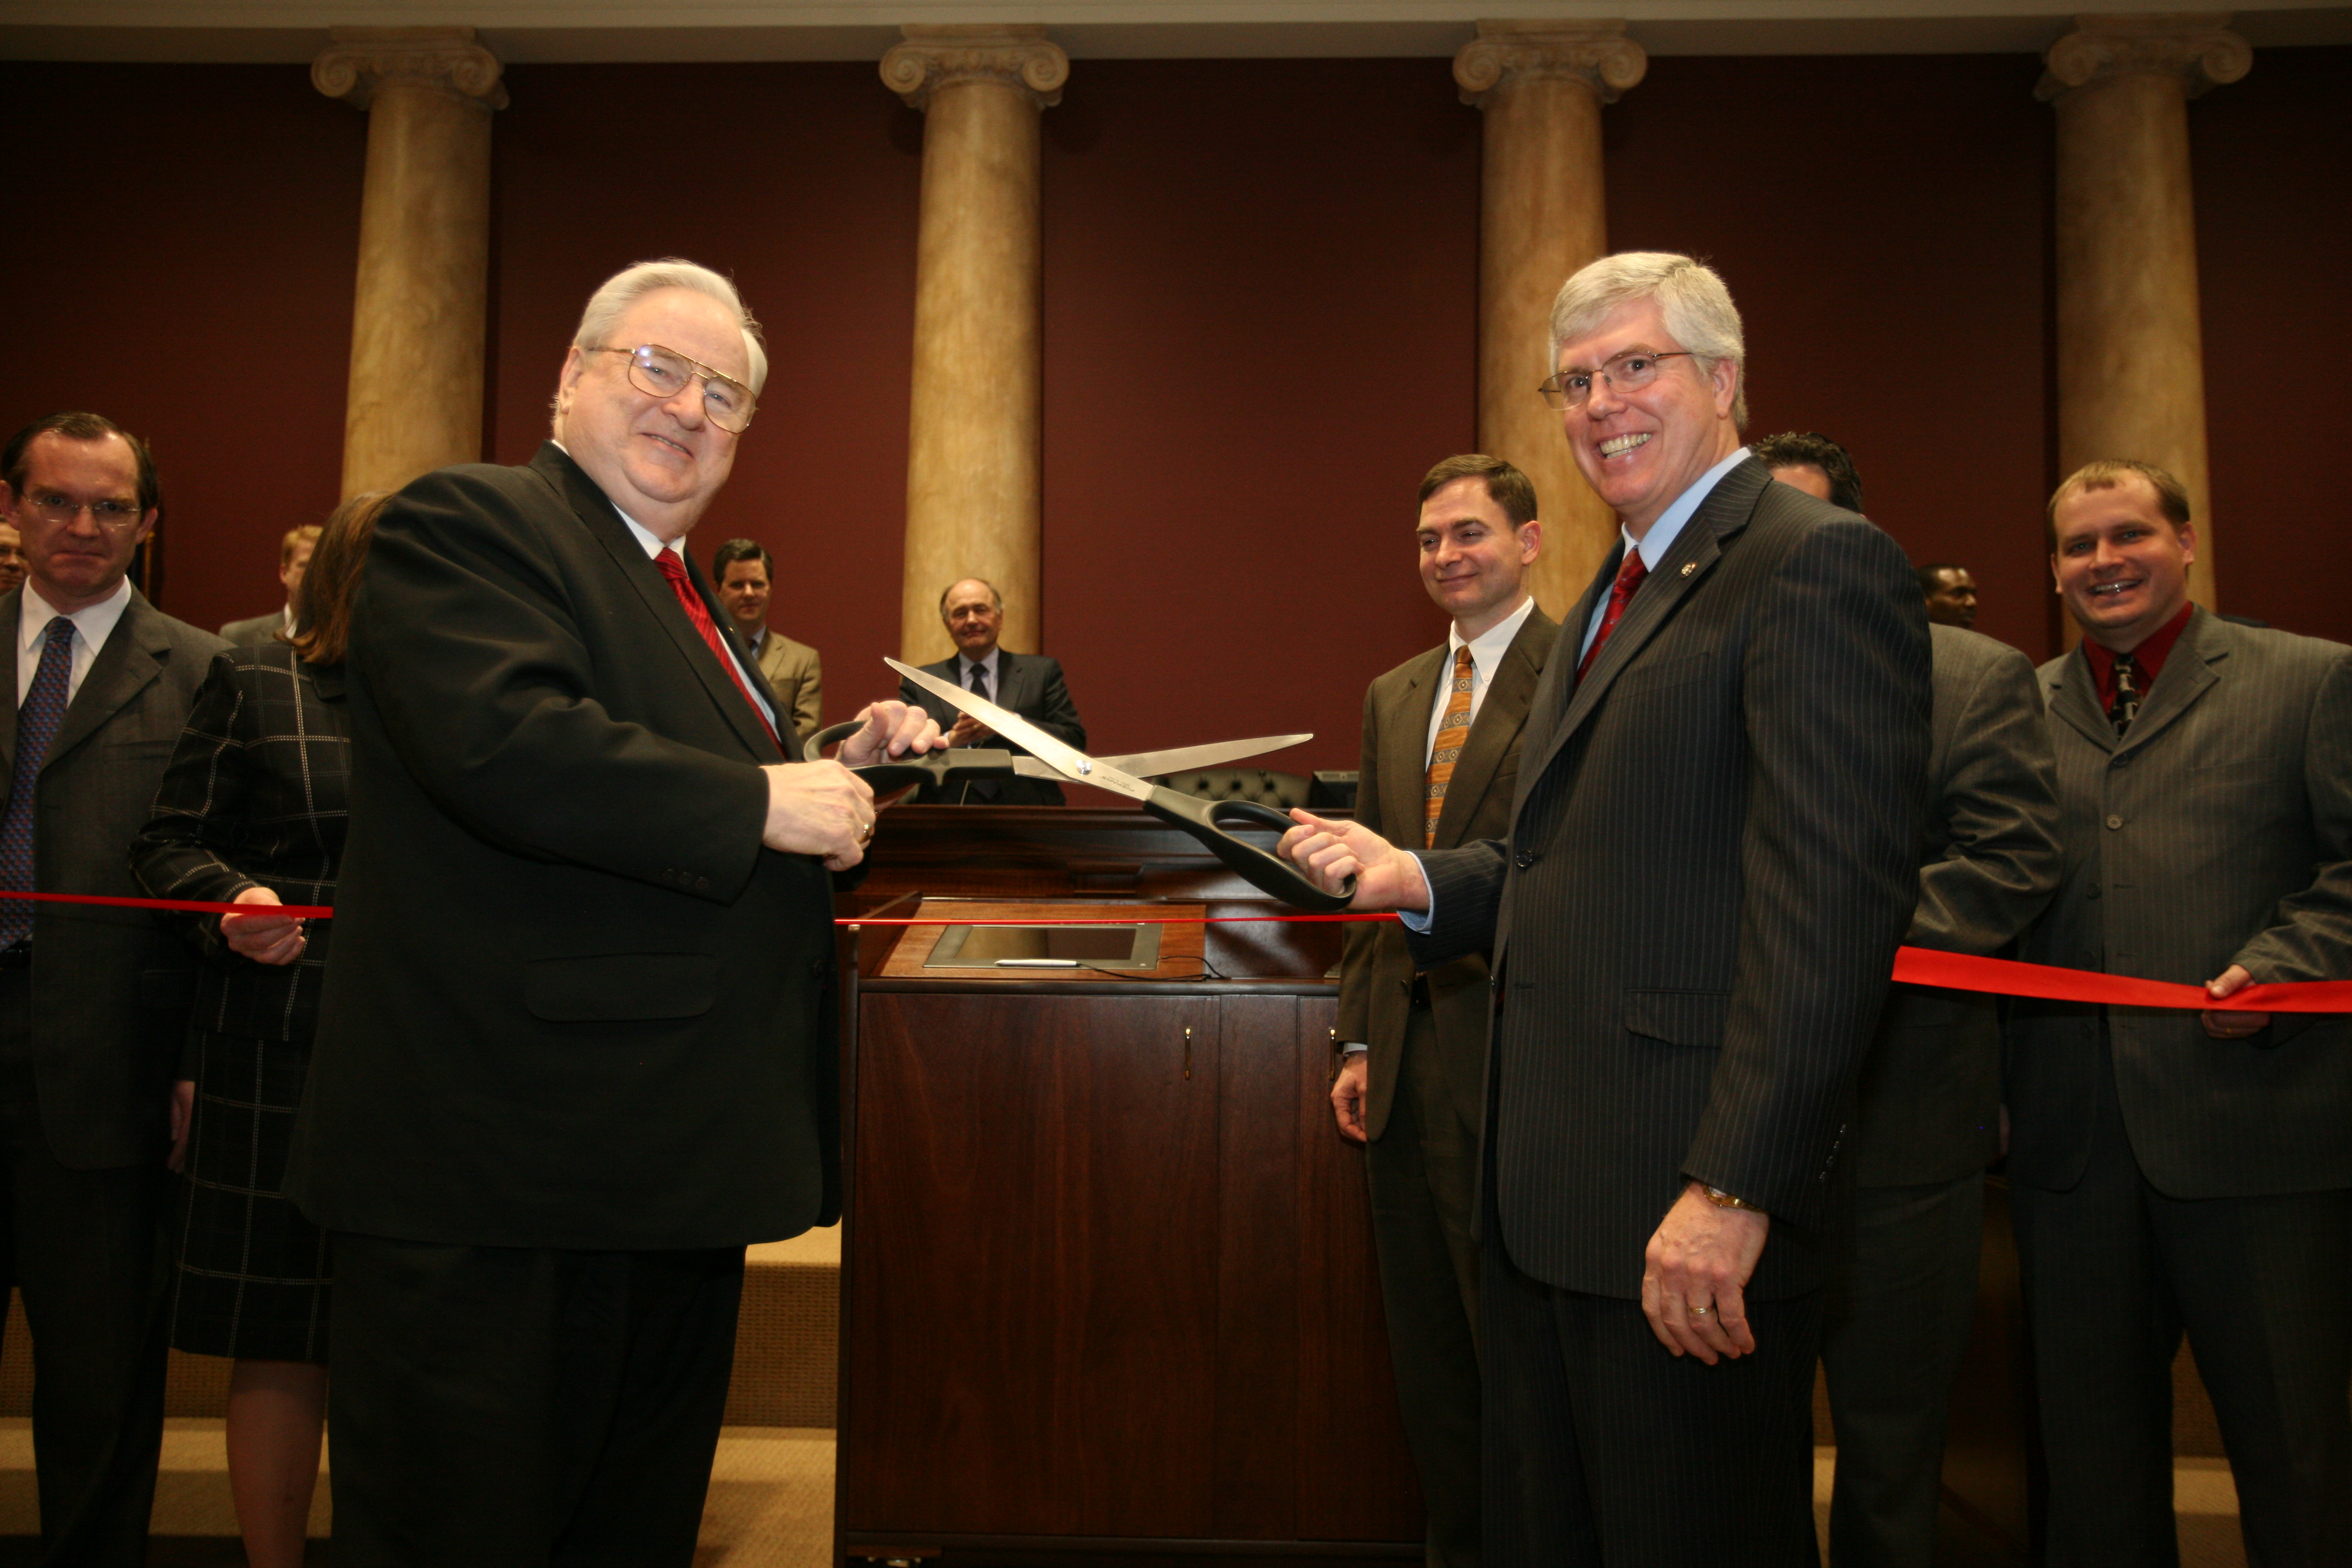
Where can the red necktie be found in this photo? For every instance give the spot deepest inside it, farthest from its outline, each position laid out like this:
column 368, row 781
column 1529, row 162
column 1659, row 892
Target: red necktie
column 1629, row 577
column 700, row 614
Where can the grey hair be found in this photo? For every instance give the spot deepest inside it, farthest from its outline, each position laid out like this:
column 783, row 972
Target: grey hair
column 1696, row 308
column 625, row 288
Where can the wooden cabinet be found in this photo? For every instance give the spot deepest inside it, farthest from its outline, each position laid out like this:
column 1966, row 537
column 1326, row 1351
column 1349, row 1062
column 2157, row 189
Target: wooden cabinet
column 1108, row 1283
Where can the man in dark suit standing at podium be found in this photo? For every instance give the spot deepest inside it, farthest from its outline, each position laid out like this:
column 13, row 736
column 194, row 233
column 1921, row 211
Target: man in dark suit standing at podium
column 1441, row 758
column 1712, row 857
column 577, row 1047
column 1029, row 684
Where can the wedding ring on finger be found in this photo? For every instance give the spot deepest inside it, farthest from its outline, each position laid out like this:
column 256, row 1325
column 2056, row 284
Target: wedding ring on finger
column 1700, row 1311
column 864, row 833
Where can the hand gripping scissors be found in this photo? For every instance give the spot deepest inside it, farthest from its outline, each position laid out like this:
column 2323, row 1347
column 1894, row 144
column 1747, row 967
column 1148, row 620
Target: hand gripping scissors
column 1207, row 821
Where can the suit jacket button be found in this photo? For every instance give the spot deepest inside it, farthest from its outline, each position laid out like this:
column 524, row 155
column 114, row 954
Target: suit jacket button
column 1525, row 859
column 2092, row 892
column 702, row 884
column 2114, row 822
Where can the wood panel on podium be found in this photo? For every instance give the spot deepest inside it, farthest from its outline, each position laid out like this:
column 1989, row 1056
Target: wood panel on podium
column 1108, row 1291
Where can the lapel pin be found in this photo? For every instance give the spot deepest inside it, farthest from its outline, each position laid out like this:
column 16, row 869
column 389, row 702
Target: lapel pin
column 1689, row 567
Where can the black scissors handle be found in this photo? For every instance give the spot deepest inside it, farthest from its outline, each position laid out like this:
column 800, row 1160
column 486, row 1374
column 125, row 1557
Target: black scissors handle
column 1212, row 822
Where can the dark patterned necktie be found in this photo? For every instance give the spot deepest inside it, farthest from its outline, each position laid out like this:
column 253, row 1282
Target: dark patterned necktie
column 1621, row 593
column 36, row 726
column 978, row 686
column 2125, row 708
column 700, row 614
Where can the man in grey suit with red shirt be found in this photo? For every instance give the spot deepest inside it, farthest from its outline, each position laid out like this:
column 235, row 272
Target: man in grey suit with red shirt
column 2169, row 1171
column 1712, row 857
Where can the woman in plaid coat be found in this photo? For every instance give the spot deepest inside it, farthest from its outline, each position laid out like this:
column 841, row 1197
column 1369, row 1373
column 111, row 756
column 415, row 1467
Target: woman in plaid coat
column 252, row 811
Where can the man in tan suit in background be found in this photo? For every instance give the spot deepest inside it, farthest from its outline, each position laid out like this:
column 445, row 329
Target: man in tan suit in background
column 744, row 572
column 1441, row 758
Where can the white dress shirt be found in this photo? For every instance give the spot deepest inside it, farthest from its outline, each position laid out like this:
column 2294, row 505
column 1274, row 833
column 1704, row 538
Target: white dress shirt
column 92, row 624
column 963, row 674
column 1486, row 651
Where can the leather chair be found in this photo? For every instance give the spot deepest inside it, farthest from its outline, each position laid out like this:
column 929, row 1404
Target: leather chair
column 1281, row 791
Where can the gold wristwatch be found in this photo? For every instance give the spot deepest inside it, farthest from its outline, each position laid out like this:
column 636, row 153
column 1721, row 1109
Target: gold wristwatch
column 1724, row 1200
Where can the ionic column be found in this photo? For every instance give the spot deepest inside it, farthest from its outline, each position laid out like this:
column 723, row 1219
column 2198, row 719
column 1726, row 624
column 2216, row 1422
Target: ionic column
column 419, row 309
column 2131, row 360
column 1542, row 214
column 973, row 449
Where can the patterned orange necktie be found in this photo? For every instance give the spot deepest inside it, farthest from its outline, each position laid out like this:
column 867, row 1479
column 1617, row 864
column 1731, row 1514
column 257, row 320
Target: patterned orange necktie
column 1452, row 733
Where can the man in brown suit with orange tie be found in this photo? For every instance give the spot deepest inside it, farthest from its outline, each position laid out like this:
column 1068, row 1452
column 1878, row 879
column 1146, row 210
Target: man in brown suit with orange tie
column 1443, row 730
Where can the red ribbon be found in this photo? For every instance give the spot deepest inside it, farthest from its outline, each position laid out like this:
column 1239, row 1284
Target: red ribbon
column 1913, row 965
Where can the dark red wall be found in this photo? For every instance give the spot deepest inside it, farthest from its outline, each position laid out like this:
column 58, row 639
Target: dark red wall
column 1260, row 324
column 2273, row 158
column 180, row 256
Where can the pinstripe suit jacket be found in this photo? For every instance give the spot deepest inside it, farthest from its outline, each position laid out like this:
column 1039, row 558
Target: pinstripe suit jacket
column 2218, row 831
column 110, row 986
column 1714, row 854
column 1376, row 972
column 1931, row 1086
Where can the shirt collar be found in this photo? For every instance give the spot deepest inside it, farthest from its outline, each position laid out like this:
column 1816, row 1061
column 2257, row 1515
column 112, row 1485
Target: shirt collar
column 1487, row 648
column 94, row 622
column 963, row 664
column 2151, row 653
column 1662, row 534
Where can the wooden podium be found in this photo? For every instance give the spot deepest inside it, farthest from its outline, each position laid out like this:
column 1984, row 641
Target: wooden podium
column 1108, row 1289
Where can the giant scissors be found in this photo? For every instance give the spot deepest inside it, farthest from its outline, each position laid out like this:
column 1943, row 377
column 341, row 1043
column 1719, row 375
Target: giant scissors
column 1209, row 822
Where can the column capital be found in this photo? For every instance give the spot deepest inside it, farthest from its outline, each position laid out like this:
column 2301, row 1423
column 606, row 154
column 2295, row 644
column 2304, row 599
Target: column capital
column 2197, row 47
column 364, row 59
column 932, row 56
column 1597, row 54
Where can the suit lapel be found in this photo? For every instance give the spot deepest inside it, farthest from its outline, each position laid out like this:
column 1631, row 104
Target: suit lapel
column 2191, row 671
column 1686, row 566
column 602, row 520
column 1404, row 749
column 2075, row 699
column 1502, row 713
column 132, row 660
column 11, row 607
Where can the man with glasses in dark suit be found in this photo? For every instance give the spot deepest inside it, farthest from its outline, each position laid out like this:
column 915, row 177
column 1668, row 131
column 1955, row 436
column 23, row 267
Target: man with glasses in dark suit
column 1712, row 856
column 577, row 1045
column 93, row 1001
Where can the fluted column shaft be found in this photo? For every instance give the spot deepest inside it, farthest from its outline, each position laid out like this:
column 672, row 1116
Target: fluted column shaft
column 420, row 302
column 2131, row 356
column 1542, row 214
column 973, row 450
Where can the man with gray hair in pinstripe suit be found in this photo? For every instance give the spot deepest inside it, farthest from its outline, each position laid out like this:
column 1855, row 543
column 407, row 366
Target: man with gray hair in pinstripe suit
column 1712, row 856
column 2169, row 1171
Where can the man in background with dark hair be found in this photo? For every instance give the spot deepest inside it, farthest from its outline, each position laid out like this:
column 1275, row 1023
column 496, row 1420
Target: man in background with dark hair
column 1814, row 464
column 745, row 572
column 1441, row 755
column 93, row 1002
column 2171, row 1170
column 1951, row 594
column 1896, row 1317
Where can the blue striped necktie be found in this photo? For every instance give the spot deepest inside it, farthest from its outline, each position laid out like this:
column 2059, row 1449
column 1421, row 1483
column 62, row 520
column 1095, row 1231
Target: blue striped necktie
column 37, row 725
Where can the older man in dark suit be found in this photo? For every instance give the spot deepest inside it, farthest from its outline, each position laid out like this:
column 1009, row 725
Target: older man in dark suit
column 576, row 1048
column 2170, row 1172
column 1029, row 684
column 1441, row 756
column 92, row 1000
column 1712, row 856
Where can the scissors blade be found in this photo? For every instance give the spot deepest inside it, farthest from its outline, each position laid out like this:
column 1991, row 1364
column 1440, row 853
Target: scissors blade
column 1066, row 761
column 1181, row 758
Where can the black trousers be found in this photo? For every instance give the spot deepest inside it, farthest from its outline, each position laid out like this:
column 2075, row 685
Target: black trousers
column 1602, row 1448
column 1895, row 1328
column 517, row 1407
column 86, row 1250
column 1422, row 1173
column 2114, row 1273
